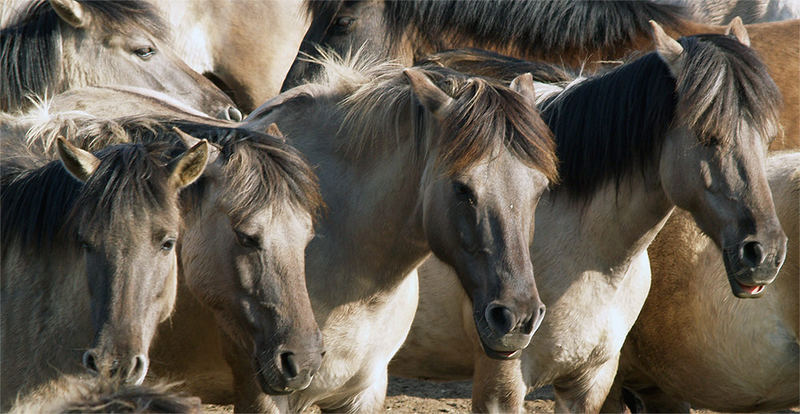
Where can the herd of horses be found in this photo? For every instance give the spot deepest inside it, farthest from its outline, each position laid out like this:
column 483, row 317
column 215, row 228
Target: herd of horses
column 598, row 196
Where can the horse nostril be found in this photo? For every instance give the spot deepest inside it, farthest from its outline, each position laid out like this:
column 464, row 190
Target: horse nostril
column 752, row 254
column 500, row 319
column 139, row 369
column 289, row 365
column 234, row 114
column 90, row 361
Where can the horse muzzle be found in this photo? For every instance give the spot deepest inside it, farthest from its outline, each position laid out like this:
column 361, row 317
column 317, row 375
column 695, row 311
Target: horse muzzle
column 504, row 335
column 124, row 368
column 750, row 267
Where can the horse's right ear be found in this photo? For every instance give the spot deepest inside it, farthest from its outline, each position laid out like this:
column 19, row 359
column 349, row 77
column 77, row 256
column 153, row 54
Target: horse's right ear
column 523, row 85
column 79, row 163
column 273, row 130
column 189, row 166
column 737, row 29
column 71, row 11
column 190, row 141
column 667, row 48
column 429, row 95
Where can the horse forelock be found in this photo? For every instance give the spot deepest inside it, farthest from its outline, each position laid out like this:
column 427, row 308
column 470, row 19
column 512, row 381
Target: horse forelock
column 721, row 84
column 30, row 45
column 484, row 116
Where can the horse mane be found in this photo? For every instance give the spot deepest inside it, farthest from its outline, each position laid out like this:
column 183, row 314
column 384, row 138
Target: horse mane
column 259, row 168
column 607, row 125
column 526, row 26
column 74, row 394
column 30, row 45
column 45, row 204
column 485, row 115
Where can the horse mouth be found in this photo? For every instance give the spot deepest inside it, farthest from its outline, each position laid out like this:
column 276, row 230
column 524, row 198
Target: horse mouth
column 741, row 290
column 501, row 355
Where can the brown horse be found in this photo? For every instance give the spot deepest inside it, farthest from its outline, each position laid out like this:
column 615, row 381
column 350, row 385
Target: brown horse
column 88, row 258
column 576, row 34
column 670, row 128
column 245, row 47
column 704, row 349
column 750, row 11
column 50, row 46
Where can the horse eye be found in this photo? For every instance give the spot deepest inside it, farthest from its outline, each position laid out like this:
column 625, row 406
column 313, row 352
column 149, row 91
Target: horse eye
column 145, row 52
column 246, row 240
column 464, row 193
column 168, row 244
column 86, row 246
column 343, row 24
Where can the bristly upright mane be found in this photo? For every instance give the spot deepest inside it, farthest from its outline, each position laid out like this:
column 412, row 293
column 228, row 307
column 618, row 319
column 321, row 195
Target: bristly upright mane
column 30, row 44
column 260, row 169
column 378, row 104
column 608, row 125
column 526, row 26
column 41, row 205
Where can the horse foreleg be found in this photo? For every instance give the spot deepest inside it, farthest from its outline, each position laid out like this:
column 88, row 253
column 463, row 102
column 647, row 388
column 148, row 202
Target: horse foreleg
column 248, row 396
column 587, row 392
column 497, row 386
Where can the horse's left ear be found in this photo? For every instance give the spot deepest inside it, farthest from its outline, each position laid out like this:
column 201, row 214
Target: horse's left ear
column 190, row 141
column 79, row 163
column 737, row 29
column 189, row 166
column 429, row 95
column 523, row 85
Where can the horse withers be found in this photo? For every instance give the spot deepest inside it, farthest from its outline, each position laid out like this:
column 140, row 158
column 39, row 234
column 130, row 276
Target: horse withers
column 113, row 219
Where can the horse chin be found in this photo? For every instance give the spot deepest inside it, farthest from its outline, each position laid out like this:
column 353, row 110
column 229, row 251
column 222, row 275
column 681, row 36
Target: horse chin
column 507, row 347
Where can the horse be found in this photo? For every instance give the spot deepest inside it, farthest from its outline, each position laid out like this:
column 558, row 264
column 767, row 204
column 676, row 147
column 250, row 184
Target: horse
column 451, row 164
column 699, row 349
column 243, row 260
column 751, row 11
column 76, row 394
column 579, row 35
column 113, row 218
column 660, row 131
column 245, row 47
column 50, row 46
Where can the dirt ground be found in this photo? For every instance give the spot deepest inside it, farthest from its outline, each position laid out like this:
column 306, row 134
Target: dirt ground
column 411, row 396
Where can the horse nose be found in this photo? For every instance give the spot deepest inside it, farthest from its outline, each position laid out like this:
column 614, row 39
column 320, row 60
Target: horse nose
column 132, row 372
column 234, row 114
column 533, row 323
column 500, row 319
column 298, row 372
column 751, row 254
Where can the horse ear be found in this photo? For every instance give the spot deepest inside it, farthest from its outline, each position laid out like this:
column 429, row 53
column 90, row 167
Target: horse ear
column 189, row 166
column 79, row 163
column 273, row 130
column 71, row 12
column 190, row 141
column 523, row 85
column 736, row 27
column 429, row 95
column 668, row 48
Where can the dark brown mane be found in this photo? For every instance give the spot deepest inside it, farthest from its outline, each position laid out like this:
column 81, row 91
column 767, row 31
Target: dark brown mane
column 485, row 116
column 30, row 44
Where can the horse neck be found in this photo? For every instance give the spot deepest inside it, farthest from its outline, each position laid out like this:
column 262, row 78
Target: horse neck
column 610, row 228
column 370, row 235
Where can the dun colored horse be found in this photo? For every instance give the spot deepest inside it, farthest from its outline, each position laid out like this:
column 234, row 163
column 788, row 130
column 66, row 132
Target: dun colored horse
column 51, row 46
column 247, row 222
column 702, row 348
column 412, row 162
column 88, row 258
column 668, row 128
column 577, row 34
column 245, row 47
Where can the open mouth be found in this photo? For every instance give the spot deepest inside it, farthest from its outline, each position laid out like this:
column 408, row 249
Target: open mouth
column 742, row 290
column 752, row 290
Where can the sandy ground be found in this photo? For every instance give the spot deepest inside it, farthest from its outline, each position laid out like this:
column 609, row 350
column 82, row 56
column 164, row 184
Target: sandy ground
column 411, row 396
